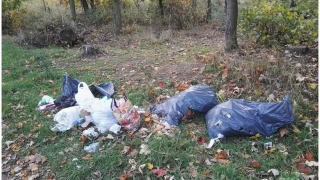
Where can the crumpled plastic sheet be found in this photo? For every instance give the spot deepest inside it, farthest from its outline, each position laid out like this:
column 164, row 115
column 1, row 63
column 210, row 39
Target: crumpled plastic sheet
column 198, row 98
column 247, row 118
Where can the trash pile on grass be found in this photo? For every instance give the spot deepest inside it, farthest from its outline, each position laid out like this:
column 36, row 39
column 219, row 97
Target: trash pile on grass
column 82, row 106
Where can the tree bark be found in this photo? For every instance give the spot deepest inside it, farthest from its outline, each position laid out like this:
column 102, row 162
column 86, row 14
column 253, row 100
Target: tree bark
column 161, row 9
column 73, row 9
column 231, row 25
column 92, row 4
column 209, row 11
column 117, row 15
column 85, row 6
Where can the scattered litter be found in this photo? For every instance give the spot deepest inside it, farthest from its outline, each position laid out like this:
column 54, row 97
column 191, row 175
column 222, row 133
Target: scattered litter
column 126, row 114
column 115, row 128
column 45, row 100
column 92, row 147
column 199, row 98
column 66, row 118
column 101, row 113
column 268, row 145
column 90, row 133
column 247, row 118
column 46, row 107
column 83, row 95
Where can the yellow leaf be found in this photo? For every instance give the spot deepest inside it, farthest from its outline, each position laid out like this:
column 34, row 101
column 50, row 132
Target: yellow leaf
column 147, row 120
column 255, row 136
column 295, row 129
column 313, row 85
column 296, row 42
column 191, row 133
column 150, row 166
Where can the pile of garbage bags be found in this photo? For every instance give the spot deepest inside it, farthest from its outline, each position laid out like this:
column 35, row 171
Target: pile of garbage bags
column 82, row 104
column 94, row 104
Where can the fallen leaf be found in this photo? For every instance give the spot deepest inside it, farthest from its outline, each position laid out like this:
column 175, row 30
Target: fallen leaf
column 295, row 129
column 224, row 74
column 205, row 172
column 160, row 172
column 96, row 174
column 147, row 120
column 201, row 140
column 150, row 166
column 125, row 176
column 268, row 151
column 309, row 156
column 255, row 136
column 84, row 139
column 255, row 164
column 87, row 157
column 259, row 70
column 181, row 87
column 144, row 149
column 161, row 84
column 313, row 85
column 223, row 161
column 283, row 132
column 222, row 155
column 51, row 82
column 70, row 138
column 141, row 167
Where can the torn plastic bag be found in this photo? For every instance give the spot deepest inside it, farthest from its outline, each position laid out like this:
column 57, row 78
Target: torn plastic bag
column 69, row 85
column 101, row 113
column 69, row 89
column 66, row 118
column 199, row 98
column 126, row 114
column 105, row 89
column 247, row 118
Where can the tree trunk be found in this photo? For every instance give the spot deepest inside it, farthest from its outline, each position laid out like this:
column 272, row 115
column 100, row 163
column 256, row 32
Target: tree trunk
column 161, row 9
column 92, row 4
column 85, row 6
column 73, row 9
column 208, row 11
column 117, row 15
column 231, row 25
column 194, row 9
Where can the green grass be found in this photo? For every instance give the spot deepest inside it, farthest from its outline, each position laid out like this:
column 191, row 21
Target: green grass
column 27, row 74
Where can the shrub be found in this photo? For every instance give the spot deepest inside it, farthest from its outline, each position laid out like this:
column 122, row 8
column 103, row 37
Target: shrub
column 276, row 23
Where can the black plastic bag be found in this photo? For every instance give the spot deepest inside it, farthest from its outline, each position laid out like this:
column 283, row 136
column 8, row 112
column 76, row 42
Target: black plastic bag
column 69, row 89
column 199, row 98
column 105, row 89
column 69, row 85
column 247, row 118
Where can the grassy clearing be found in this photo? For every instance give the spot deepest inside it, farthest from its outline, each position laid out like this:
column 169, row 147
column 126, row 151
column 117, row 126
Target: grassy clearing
column 28, row 74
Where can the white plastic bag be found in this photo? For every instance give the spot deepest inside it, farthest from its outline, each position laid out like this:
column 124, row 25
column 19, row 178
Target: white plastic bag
column 84, row 94
column 67, row 118
column 101, row 114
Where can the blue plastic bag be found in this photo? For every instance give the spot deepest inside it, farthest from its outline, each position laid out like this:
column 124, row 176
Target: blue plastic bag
column 199, row 98
column 247, row 118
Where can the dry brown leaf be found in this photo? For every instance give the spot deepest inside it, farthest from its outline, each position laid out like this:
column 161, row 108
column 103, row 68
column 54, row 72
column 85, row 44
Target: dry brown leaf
column 125, row 176
column 309, row 156
column 223, row 161
column 224, row 74
column 222, row 155
column 255, row 164
column 283, row 132
column 87, row 157
column 181, row 87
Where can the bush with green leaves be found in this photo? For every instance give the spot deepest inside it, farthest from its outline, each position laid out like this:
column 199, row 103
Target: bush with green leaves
column 281, row 22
